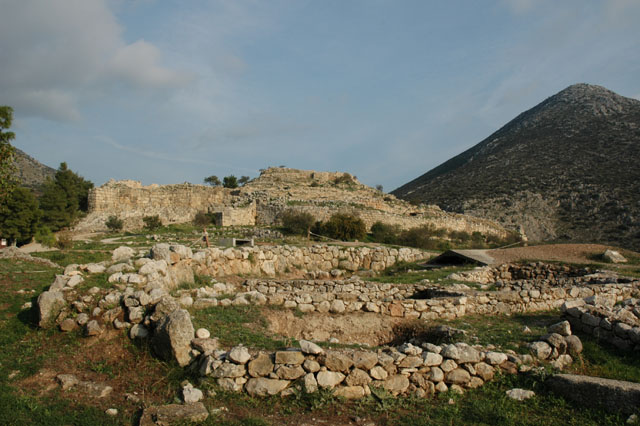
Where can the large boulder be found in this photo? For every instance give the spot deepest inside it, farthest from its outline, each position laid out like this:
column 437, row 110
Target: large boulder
column 172, row 337
column 613, row 256
column 122, row 253
column 49, row 304
column 262, row 386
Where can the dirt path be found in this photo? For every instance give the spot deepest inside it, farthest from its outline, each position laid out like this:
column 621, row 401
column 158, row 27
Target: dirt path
column 570, row 253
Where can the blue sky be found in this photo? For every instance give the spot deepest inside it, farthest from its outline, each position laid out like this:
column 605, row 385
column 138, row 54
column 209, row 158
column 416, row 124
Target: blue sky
column 168, row 91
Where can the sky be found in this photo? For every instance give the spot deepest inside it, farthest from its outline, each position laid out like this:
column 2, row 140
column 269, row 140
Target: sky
column 169, row 91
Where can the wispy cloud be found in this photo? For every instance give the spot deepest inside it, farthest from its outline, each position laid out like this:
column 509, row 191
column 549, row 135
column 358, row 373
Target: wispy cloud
column 167, row 157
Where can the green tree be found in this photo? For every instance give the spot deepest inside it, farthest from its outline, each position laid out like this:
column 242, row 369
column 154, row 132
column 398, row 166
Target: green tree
column 344, row 227
column 230, row 181
column 243, row 180
column 19, row 216
column 212, row 180
column 152, row 222
column 296, row 223
column 64, row 198
column 7, row 166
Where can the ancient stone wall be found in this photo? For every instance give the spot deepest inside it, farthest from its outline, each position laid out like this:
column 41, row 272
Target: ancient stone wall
column 319, row 193
column 273, row 260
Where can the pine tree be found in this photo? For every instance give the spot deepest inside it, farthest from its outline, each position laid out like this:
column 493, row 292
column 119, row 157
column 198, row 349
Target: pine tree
column 19, row 216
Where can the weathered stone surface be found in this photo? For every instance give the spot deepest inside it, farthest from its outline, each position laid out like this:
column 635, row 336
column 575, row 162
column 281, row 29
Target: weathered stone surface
column 431, row 359
column 364, row 360
column 229, row 370
column 311, row 365
column 289, row 357
column 520, row 394
column 495, row 358
column 574, row 344
column 563, row 328
column 613, row 395
column 357, row 377
column 329, row 379
column 484, row 371
column 239, row 355
column 350, row 392
column 262, row 386
column 556, row 341
column 337, row 307
column 122, row 253
column 67, row 380
column 94, row 390
column 458, row 376
column 310, row 347
column 205, row 346
column 410, row 362
column 50, row 303
column 336, row 361
column 68, row 324
column 260, row 366
column 450, row 351
column 93, row 328
column 190, row 394
column 173, row 414
column 310, row 384
column 138, row 331
column 613, row 256
column 172, row 337
column 396, row 384
column 378, row 373
column 290, row 373
column 540, row 350
column 468, row 354
column 436, row 374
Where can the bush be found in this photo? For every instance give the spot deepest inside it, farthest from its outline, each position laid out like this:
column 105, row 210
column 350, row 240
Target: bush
column 202, row 219
column 230, row 181
column 152, row 222
column 385, row 233
column 64, row 241
column 345, row 178
column 342, row 226
column 296, row 223
column 45, row 237
column 114, row 223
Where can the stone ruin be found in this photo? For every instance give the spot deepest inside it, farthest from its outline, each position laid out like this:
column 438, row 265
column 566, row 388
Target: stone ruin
column 140, row 301
column 261, row 201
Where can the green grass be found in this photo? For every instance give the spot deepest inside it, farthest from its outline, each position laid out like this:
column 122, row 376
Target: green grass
column 603, row 360
column 233, row 325
column 503, row 330
column 399, row 274
column 25, row 348
column 67, row 257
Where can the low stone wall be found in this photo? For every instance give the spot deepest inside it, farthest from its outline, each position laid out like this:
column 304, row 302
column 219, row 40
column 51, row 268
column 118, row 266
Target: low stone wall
column 539, row 271
column 273, row 260
column 421, row 301
column 604, row 318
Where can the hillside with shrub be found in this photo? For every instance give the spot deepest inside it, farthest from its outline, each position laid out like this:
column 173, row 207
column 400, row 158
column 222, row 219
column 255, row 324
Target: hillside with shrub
column 564, row 170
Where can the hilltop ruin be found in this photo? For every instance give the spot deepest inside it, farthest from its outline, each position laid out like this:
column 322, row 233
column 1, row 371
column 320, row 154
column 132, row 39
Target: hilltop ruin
column 261, row 200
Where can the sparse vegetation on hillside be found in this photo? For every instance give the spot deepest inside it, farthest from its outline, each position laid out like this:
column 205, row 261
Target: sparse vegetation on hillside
column 564, row 170
column 152, row 222
column 114, row 224
column 296, row 222
column 342, row 226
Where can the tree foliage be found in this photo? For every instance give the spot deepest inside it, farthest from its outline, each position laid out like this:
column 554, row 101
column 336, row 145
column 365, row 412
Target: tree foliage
column 212, row 180
column 343, row 226
column 19, row 216
column 7, row 165
column 114, row 223
column 296, row 223
column 243, row 180
column 152, row 222
column 230, row 181
column 64, row 198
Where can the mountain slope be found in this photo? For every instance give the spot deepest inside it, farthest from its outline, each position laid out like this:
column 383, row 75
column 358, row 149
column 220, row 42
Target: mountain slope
column 565, row 169
column 31, row 173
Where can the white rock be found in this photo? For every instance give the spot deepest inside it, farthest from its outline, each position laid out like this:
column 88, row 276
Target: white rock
column 239, row 355
column 203, row 333
column 520, row 394
column 310, row 347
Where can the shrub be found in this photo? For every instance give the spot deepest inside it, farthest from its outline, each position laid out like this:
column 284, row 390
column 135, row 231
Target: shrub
column 45, row 237
column 114, row 223
column 385, row 233
column 64, row 241
column 345, row 178
column 152, row 222
column 202, row 219
column 230, row 181
column 342, row 226
column 296, row 222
